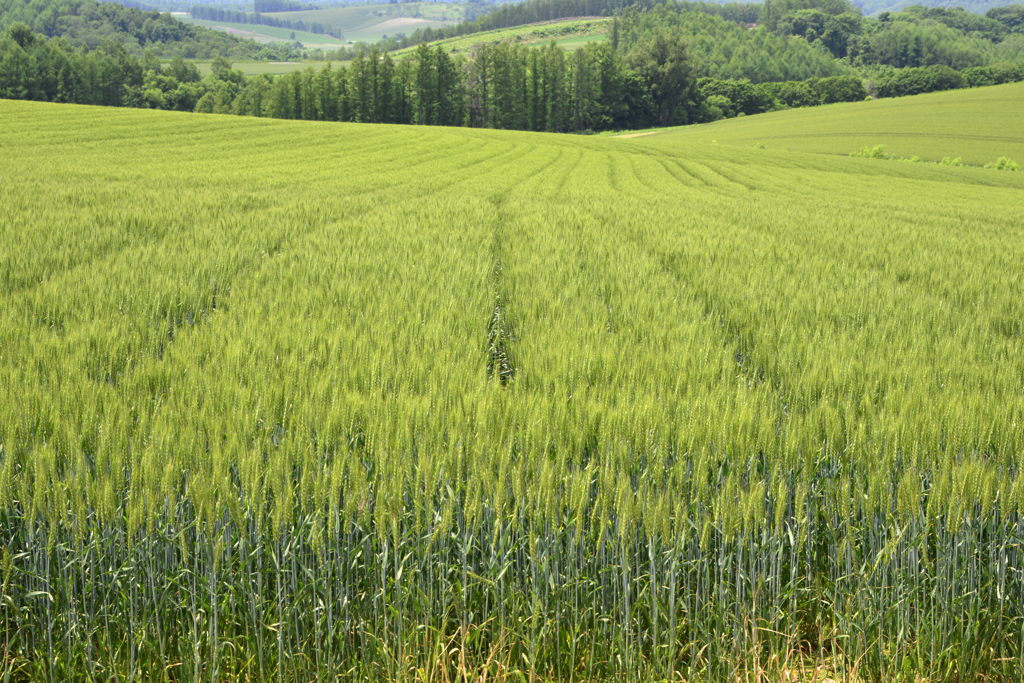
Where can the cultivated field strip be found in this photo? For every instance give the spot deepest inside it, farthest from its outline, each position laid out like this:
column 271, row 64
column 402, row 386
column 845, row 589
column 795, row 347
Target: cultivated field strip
column 980, row 125
column 286, row 401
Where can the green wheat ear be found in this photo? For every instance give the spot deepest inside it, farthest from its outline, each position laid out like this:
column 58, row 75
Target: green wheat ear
column 740, row 420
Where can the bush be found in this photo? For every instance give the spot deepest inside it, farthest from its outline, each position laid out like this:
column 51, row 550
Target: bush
column 876, row 152
column 838, row 89
column 791, row 94
column 721, row 104
column 994, row 74
column 743, row 96
column 918, row 80
column 1004, row 164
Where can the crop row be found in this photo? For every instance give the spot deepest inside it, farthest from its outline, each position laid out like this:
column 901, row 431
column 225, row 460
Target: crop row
column 448, row 401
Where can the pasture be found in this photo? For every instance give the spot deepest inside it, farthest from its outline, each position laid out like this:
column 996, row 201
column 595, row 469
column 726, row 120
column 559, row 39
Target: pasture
column 568, row 33
column 507, row 405
column 271, row 34
column 369, row 23
column 979, row 124
column 363, row 23
column 257, row 68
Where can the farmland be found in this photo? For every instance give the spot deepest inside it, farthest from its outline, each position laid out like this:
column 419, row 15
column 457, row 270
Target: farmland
column 362, row 16
column 570, row 34
column 498, row 404
column 258, row 68
column 979, row 125
column 269, row 34
column 364, row 23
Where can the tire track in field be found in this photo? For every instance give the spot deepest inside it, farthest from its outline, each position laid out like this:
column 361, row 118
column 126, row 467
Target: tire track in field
column 646, row 186
column 537, row 178
column 567, row 174
column 732, row 333
column 73, row 275
column 680, row 175
column 700, row 180
column 247, row 269
column 501, row 336
column 644, row 183
column 716, row 174
column 481, row 170
column 612, row 173
column 734, row 171
column 109, row 250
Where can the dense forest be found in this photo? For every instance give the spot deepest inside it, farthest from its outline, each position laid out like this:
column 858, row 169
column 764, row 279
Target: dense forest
column 673, row 63
column 87, row 23
column 601, row 86
column 500, row 86
column 916, row 36
column 794, row 39
column 510, row 15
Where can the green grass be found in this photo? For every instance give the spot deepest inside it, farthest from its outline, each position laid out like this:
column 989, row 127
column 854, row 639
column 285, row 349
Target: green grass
column 570, row 34
column 980, row 125
column 257, row 68
column 574, row 42
column 491, row 405
column 271, row 34
column 365, row 23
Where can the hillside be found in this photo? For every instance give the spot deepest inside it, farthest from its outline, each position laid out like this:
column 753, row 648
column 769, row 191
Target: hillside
column 368, row 22
column 542, row 406
column 89, row 23
column 267, row 34
column 361, row 23
column 875, row 7
column 979, row 125
column 570, row 34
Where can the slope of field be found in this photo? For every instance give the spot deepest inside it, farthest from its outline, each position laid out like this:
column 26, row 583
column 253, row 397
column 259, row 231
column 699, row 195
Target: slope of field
column 368, row 23
column 257, row 68
column 569, row 33
column 270, row 34
column 980, row 125
column 354, row 401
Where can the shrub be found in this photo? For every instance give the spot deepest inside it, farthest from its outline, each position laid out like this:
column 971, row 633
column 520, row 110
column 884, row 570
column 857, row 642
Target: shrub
column 876, row 152
column 918, row 80
column 1004, row 164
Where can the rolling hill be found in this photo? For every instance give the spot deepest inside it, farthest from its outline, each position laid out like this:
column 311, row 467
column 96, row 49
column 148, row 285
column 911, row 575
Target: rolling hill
column 267, row 34
column 568, row 33
column 299, row 401
column 979, row 125
column 362, row 23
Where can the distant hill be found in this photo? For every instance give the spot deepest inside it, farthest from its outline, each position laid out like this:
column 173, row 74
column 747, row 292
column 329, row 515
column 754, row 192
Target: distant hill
column 90, row 23
column 368, row 23
column 570, row 34
column 875, row 7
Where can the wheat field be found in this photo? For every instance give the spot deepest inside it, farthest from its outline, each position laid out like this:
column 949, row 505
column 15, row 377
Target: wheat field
column 296, row 401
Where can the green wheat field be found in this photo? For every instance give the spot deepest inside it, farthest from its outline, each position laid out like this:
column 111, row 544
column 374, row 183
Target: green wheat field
column 286, row 401
column 979, row 125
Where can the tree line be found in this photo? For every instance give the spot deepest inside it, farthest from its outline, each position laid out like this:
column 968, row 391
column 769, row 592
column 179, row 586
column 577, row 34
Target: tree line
column 208, row 13
column 835, row 31
column 834, row 36
column 598, row 87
